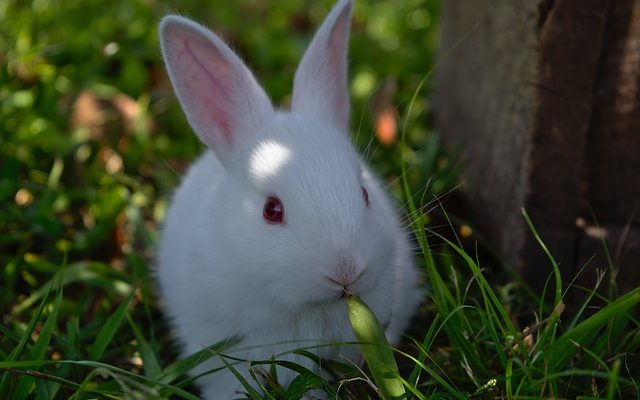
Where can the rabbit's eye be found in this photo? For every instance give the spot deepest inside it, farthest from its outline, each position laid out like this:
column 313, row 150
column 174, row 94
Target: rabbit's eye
column 273, row 211
column 365, row 196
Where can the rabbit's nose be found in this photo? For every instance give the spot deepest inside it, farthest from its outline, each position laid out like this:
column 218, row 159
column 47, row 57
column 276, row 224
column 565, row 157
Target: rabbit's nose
column 346, row 272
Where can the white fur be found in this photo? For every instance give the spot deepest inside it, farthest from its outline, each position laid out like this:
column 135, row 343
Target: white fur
column 222, row 269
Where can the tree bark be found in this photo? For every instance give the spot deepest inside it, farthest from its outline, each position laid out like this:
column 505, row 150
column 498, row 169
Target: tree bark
column 542, row 99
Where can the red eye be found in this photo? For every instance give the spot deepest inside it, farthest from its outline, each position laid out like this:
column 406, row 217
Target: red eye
column 365, row 196
column 273, row 211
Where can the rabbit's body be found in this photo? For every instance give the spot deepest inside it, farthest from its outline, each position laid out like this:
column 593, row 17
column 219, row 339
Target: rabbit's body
column 268, row 231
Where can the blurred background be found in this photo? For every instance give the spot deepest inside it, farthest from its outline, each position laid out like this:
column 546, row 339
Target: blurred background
column 92, row 140
column 92, row 137
column 92, row 143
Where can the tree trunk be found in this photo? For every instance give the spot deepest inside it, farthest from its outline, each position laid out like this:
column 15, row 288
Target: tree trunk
column 542, row 99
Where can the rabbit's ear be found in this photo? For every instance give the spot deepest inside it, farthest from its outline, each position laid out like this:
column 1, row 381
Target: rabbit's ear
column 219, row 95
column 320, row 84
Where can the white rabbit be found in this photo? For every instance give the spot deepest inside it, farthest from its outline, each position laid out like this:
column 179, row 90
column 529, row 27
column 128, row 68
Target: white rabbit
column 271, row 228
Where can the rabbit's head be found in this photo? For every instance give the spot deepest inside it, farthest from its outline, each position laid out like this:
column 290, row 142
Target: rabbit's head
column 297, row 215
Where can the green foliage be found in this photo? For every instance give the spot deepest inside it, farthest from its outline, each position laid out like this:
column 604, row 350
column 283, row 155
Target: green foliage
column 375, row 349
column 92, row 142
column 492, row 357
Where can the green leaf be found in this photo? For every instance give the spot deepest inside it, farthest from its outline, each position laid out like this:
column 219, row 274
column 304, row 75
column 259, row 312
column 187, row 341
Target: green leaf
column 560, row 352
column 39, row 349
column 17, row 352
column 109, row 329
column 303, row 383
column 614, row 376
column 81, row 271
column 376, row 349
column 253, row 393
column 183, row 366
column 149, row 358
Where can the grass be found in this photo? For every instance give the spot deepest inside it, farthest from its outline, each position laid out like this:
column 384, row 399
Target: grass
column 92, row 143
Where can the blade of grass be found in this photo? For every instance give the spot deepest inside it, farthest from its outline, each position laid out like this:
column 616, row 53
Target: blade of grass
column 267, row 384
column 415, row 393
column 17, row 352
column 253, row 393
column 41, row 390
column 613, row 269
column 301, row 384
column 560, row 352
column 6, row 332
column 453, row 391
column 375, row 349
column 96, row 365
column 172, row 389
column 149, row 358
column 184, row 365
column 109, row 329
column 41, row 375
column 87, row 387
column 424, row 347
column 586, row 302
column 543, row 246
column 442, row 296
column 78, row 272
column 44, row 338
column 491, row 301
column 588, row 373
column 71, row 348
column 508, row 379
column 39, row 349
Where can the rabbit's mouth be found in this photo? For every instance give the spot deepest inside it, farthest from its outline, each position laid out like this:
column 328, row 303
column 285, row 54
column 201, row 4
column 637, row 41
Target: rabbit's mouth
column 347, row 287
column 336, row 289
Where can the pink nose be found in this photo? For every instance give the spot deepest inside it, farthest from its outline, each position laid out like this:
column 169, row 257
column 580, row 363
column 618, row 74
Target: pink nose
column 346, row 272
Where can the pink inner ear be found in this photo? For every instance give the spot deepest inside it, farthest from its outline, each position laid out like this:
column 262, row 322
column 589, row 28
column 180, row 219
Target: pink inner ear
column 220, row 118
column 203, row 80
column 219, row 96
